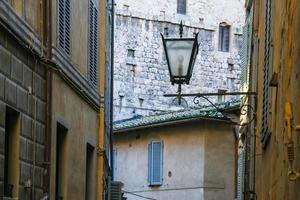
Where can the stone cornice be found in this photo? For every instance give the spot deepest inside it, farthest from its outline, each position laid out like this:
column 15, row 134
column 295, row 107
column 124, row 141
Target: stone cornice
column 20, row 27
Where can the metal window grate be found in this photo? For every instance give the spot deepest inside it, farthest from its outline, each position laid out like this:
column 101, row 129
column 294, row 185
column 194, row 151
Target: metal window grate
column 64, row 25
column 93, row 44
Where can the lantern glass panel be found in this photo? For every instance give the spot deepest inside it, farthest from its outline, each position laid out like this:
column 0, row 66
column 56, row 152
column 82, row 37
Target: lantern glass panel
column 179, row 54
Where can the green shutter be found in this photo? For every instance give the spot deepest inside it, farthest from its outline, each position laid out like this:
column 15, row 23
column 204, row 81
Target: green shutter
column 240, row 178
column 266, row 91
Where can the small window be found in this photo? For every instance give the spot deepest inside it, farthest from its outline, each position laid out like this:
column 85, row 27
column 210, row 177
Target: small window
column 93, row 44
column 221, row 98
column 64, row 26
column 130, row 53
column 224, row 37
column 155, row 163
column 181, row 6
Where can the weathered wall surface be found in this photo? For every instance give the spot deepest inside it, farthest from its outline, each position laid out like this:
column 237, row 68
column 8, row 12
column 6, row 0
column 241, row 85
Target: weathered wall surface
column 272, row 165
column 141, row 80
column 206, row 171
column 22, row 88
column 82, row 123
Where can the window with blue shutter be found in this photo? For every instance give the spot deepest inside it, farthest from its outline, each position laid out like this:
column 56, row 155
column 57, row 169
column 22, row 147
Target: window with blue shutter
column 64, row 26
column 93, row 43
column 266, row 89
column 181, row 6
column 155, row 163
column 224, row 36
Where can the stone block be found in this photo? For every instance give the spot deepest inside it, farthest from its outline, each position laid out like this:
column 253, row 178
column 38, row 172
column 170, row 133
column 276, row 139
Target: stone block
column 2, row 114
column 23, row 148
column 30, row 147
column 26, row 127
column 2, row 86
column 40, row 133
column 26, row 172
column 27, row 77
column 16, row 69
column 1, row 167
column 2, row 141
column 22, row 100
column 24, row 193
column 38, row 177
column 41, row 111
column 40, row 87
column 5, row 60
column 10, row 92
column 40, row 153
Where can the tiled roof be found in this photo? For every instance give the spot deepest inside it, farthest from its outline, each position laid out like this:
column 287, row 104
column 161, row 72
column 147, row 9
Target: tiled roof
column 165, row 117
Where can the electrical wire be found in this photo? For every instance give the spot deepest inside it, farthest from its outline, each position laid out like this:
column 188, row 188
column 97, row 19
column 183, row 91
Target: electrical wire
column 144, row 197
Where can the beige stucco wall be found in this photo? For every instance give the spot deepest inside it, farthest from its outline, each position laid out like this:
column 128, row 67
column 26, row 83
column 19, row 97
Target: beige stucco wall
column 82, row 123
column 200, row 156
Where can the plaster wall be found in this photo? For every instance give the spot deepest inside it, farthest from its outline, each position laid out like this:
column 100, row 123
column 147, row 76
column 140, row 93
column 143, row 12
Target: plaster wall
column 272, row 166
column 141, row 80
column 81, row 122
column 199, row 156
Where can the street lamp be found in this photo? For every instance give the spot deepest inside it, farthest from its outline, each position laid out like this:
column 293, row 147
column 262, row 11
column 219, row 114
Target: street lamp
column 181, row 54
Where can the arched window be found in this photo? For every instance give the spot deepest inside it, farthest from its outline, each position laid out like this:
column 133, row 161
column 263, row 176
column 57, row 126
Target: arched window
column 224, row 37
column 181, row 6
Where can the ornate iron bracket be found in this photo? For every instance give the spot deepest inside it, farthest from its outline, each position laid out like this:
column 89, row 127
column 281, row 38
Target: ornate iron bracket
column 244, row 108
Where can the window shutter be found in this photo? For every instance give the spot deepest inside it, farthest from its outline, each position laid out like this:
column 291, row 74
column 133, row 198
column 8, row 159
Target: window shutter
column 93, row 44
column 240, row 178
column 156, row 163
column 266, row 96
column 181, row 6
column 64, row 25
column 246, row 51
column 225, row 42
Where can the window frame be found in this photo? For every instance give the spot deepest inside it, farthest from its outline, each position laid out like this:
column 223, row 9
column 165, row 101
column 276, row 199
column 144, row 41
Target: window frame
column 221, row 46
column 152, row 182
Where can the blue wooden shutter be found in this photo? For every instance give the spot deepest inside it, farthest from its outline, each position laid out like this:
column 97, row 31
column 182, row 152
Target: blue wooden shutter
column 93, row 44
column 155, row 166
column 64, row 25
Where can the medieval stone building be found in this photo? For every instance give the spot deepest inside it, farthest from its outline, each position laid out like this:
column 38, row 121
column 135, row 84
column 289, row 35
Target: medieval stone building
column 141, row 76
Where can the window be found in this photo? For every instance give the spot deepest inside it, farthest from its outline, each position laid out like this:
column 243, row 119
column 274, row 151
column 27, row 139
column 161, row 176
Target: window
column 130, row 53
column 60, row 182
column 93, row 44
column 12, row 149
column 155, row 163
column 64, row 25
column 266, row 92
column 224, row 33
column 181, row 6
column 89, row 171
column 221, row 98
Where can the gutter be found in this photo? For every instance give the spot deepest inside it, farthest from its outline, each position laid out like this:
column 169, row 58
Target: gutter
column 171, row 123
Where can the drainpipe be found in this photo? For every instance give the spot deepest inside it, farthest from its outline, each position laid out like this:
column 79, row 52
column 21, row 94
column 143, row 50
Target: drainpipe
column 48, row 34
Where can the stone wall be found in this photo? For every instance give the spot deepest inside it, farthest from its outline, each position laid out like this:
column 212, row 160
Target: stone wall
column 23, row 88
column 141, row 76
